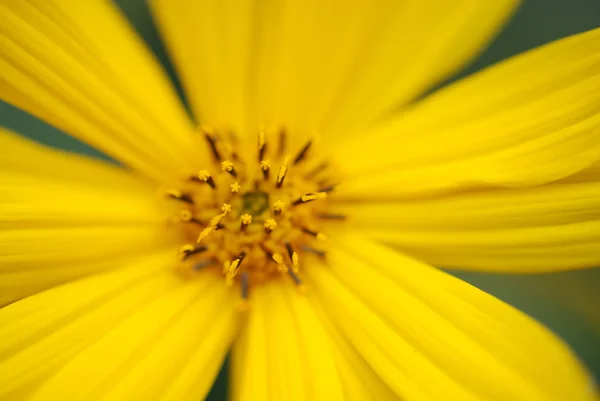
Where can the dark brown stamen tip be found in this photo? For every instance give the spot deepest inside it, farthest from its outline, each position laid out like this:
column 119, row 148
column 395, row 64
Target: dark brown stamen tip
column 331, row 216
column 322, row 166
column 211, row 182
column 302, row 154
column 282, row 142
column 189, row 252
column 265, row 174
column 212, row 143
column 290, row 250
column 314, row 251
column 204, row 263
column 327, row 189
column 244, row 285
column 294, row 277
column 180, row 196
column 219, row 226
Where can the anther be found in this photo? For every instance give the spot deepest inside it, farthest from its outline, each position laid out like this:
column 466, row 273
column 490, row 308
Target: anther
column 314, row 251
column 227, row 166
column 302, row 154
column 309, row 197
column 270, row 225
column 235, row 187
column 317, row 235
column 234, row 266
column 187, row 217
column 180, row 196
column 246, row 219
column 244, row 285
column 327, row 189
column 265, row 166
column 282, row 172
column 262, row 146
column 203, row 263
column 331, row 216
column 282, row 141
column 279, row 260
column 278, row 207
column 212, row 143
column 214, row 222
column 293, row 257
column 204, row 176
column 294, row 277
column 189, row 250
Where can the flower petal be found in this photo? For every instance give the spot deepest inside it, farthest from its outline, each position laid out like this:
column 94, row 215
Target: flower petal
column 549, row 227
column 527, row 121
column 359, row 381
column 431, row 336
column 63, row 216
column 284, row 352
column 141, row 338
column 263, row 62
column 81, row 67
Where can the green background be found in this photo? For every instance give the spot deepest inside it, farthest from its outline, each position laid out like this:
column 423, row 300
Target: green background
column 563, row 301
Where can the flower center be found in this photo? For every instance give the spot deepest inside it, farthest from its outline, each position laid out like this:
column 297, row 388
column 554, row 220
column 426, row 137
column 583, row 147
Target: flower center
column 252, row 220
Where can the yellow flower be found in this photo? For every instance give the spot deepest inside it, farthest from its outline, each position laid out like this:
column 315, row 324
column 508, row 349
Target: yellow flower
column 129, row 284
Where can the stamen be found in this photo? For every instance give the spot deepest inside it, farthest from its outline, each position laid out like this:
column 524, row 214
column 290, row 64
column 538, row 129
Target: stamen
column 294, row 277
column 293, row 257
column 214, row 222
column 204, row 176
column 278, row 207
column 233, row 267
column 227, row 166
column 265, row 166
column 282, row 171
column 187, row 217
column 208, row 132
column 180, row 196
column 309, row 197
column 282, row 141
column 204, row 263
column 235, row 187
column 244, row 282
column 279, row 260
column 317, row 235
column 302, row 154
column 327, row 189
column 246, row 219
column 316, row 170
column 331, row 216
column 270, row 225
column 314, row 251
column 262, row 146
column 189, row 250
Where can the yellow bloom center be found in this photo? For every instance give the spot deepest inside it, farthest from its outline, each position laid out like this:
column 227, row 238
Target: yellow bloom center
column 247, row 223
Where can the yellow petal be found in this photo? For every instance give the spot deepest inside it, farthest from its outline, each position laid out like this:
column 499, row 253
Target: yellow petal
column 64, row 216
column 142, row 353
column 80, row 67
column 43, row 331
column 549, row 227
column 526, row 121
column 284, row 352
column 359, row 381
column 246, row 63
column 431, row 336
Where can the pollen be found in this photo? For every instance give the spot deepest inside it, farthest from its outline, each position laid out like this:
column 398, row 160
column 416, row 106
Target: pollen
column 247, row 227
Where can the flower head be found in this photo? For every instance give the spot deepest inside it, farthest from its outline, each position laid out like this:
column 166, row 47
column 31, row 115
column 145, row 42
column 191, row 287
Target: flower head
column 298, row 225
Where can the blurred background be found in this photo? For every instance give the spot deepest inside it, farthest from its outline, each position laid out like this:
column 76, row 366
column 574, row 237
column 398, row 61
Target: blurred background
column 568, row 303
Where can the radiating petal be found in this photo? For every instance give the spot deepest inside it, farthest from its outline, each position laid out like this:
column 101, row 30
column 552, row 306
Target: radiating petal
column 80, row 67
column 431, row 336
column 530, row 120
column 141, row 339
column 318, row 65
column 359, row 381
column 284, row 352
column 63, row 216
column 549, row 227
